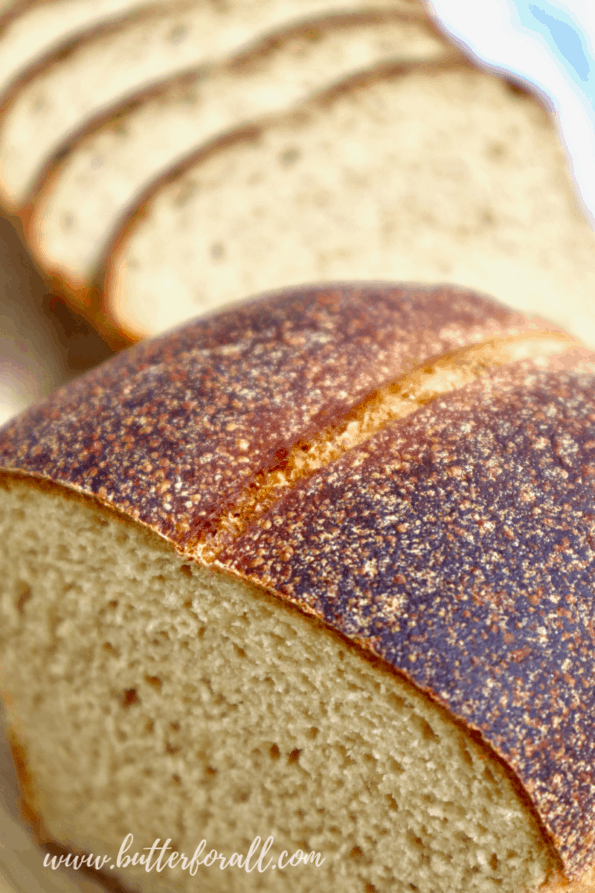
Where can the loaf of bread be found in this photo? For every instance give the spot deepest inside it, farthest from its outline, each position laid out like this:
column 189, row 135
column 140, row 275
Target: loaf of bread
column 317, row 569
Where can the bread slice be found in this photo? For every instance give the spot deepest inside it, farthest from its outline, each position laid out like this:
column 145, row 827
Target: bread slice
column 112, row 166
column 493, row 209
column 441, row 172
column 33, row 32
column 104, row 70
column 213, row 628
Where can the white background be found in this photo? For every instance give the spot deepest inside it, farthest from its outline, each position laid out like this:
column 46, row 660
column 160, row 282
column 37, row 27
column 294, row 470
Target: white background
column 550, row 46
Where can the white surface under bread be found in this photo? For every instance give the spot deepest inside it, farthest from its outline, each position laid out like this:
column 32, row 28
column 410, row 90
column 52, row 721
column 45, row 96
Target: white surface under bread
column 114, row 165
column 434, row 176
column 101, row 72
column 42, row 28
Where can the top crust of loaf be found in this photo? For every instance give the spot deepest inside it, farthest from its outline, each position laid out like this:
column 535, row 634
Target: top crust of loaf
column 462, row 531
column 175, row 429
column 458, row 545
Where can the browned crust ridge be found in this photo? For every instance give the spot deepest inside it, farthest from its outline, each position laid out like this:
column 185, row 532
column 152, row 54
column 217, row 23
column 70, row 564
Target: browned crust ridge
column 389, row 403
column 381, row 542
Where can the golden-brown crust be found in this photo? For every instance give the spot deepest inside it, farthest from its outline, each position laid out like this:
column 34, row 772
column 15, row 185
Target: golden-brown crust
column 458, row 545
column 175, row 429
column 389, row 403
column 421, row 540
column 27, row 805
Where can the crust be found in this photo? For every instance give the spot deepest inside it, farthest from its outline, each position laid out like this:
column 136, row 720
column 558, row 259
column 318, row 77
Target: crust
column 173, row 432
column 302, row 344
column 453, row 559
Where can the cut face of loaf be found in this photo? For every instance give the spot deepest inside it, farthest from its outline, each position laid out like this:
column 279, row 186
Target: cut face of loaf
column 104, row 70
column 441, row 172
column 176, row 702
column 317, row 568
column 112, row 166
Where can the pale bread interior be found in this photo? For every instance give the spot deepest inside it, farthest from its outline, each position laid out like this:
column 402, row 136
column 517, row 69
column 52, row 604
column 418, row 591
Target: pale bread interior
column 433, row 176
column 113, row 165
column 162, row 699
column 43, row 27
column 101, row 72
column 21, row 859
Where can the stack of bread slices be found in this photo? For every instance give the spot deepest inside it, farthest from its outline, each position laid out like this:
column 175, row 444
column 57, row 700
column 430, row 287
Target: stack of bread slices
column 169, row 158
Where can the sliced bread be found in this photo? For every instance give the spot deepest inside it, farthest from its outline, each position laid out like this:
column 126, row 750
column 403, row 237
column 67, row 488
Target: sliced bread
column 32, row 33
column 444, row 173
column 101, row 71
column 89, row 191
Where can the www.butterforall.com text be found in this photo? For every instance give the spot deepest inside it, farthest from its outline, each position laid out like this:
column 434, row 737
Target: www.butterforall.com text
column 156, row 858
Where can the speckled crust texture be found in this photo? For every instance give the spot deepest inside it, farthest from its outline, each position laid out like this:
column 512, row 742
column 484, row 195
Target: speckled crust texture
column 459, row 546
column 172, row 431
column 463, row 531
